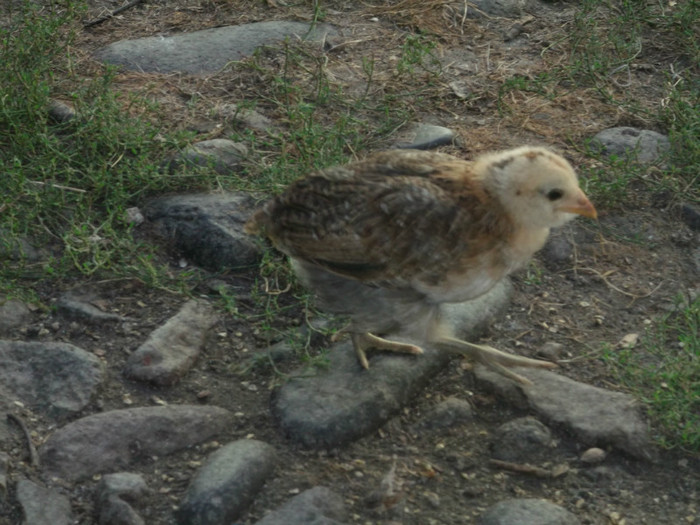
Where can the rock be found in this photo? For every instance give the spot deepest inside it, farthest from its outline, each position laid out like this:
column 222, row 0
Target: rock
column 42, row 506
column 208, row 229
column 317, row 506
column 171, row 349
column 115, row 493
column 134, row 216
column 641, row 145
column 523, row 440
column 13, row 314
column 118, row 438
column 691, row 216
column 116, row 511
column 449, row 413
column 57, row 378
column 551, row 351
column 594, row 415
column 243, row 116
column 227, row 483
column 79, row 308
column 223, row 155
column 527, row 512
column 126, row 485
column 60, row 112
column 593, row 455
column 209, row 50
column 344, row 401
column 425, row 136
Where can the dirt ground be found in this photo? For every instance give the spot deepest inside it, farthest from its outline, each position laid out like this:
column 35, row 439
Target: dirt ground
column 624, row 271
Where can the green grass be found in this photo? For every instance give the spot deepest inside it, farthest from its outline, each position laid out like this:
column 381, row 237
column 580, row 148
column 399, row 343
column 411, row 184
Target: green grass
column 664, row 372
column 68, row 184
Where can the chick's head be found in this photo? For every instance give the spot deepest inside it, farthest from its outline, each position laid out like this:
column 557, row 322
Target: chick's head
column 538, row 188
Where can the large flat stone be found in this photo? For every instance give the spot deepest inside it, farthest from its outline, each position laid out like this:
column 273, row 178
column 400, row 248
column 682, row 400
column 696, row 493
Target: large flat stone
column 208, row 50
column 345, row 402
column 114, row 440
column 227, row 483
column 57, row 378
column 594, row 415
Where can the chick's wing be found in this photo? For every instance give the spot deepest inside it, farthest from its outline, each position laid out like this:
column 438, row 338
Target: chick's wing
column 391, row 219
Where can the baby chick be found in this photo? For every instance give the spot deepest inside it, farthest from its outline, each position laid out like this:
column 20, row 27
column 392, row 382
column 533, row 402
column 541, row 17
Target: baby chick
column 390, row 238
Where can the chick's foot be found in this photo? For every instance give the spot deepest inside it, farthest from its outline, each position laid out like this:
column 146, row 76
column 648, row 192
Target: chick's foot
column 364, row 341
column 495, row 359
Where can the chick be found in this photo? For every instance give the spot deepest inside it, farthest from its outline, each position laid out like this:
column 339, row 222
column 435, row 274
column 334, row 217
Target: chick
column 389, row 239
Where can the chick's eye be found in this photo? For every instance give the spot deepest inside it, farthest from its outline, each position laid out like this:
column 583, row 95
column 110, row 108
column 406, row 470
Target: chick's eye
column 555, row 194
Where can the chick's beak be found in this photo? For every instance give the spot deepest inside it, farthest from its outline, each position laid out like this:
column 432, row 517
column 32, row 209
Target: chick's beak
column 581, row 206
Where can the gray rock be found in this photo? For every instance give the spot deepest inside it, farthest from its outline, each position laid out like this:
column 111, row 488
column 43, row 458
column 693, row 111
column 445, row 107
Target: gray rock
column 115, row 494
column 243, row 116
column 116, row 439
column 527, row 512
column 691, row 216
column 223, row 155
column 551, row 351
column 13, row 314
column 42, row 506
column 79, row 308
column 208, row 50
column 449, row 413
column 127, row 485
column 523, row 440
column 57, row 378
column 425, row 136
column 641, row 145
column 208, row 229
column 116, row 511
column 594, row 415
column 60, row 112
column 316, row 506
column 171, row 349
column 227, row 483
column 344, row 402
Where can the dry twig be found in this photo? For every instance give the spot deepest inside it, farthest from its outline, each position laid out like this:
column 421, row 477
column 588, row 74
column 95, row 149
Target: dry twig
column 33, row 455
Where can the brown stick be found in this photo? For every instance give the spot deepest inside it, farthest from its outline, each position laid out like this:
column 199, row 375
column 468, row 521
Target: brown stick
column 33, row 456
column 526, row 468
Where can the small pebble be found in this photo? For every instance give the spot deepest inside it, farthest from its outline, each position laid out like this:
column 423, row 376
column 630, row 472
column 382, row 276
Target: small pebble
column 593, row 455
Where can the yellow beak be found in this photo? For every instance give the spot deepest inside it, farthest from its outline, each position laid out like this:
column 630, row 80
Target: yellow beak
column 582, row 206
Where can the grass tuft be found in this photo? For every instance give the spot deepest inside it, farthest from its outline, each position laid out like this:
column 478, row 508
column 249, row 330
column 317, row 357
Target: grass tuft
column 664, row 372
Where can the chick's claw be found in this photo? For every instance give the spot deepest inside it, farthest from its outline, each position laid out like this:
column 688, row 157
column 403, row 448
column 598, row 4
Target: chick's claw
column 365, row 341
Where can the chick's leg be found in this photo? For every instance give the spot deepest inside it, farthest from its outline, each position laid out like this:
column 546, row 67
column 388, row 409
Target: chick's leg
column 364, row 341
column 495, row 359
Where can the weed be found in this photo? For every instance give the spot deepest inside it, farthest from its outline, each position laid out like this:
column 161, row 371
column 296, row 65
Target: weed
column 70, row 183
column 664, row 372
column 418, row 52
